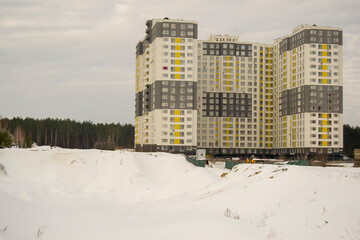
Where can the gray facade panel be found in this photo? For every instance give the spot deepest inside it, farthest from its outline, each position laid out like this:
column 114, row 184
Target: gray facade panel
column 217, row 104
column 177, row 94
column 180, row 30
column 166, row 95
column 139, row 49
column 138, row 104
column 228, row 49
column 158, row 97
column 147, row 99
column 312, row 98
column 307, row 36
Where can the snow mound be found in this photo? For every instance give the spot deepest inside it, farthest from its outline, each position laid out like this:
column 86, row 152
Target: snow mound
column 53, row 193
column 45, row 173
column 281, row 201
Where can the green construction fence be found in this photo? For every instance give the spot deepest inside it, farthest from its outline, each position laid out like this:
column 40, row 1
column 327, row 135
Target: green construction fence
column 198, row 163
column 300, row 162
column 231, row 164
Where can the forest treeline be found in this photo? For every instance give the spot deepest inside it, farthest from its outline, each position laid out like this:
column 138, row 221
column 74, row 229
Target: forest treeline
column 67, row 133
column 71, row 134
column 351, row 139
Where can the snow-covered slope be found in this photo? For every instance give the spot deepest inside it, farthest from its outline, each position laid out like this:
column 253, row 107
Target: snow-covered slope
column 45, row 173
column 90, row 194
column 290, row 202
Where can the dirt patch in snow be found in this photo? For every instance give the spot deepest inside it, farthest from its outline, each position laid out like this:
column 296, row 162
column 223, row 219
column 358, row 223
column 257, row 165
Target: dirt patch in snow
column 3, row 170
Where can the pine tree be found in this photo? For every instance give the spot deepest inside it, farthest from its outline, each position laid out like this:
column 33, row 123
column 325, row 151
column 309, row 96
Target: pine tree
column 5, row 139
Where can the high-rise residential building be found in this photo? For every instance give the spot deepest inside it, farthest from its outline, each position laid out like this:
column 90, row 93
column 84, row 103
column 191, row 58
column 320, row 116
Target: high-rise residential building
column 166, row 86
column 239, row 98
column 308, row 92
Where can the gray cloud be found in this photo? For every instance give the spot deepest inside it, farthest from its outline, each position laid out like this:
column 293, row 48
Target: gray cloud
column 76, row 59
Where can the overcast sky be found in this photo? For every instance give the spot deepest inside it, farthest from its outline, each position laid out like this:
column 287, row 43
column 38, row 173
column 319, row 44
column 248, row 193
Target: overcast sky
column 76, row 59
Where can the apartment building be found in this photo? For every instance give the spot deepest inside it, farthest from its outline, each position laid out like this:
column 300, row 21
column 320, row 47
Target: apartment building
column 308, row 91
column 166, row 87
column 239, row 98
column 231, row 110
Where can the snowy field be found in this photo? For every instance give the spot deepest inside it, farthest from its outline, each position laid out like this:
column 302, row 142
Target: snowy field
column 90, row 194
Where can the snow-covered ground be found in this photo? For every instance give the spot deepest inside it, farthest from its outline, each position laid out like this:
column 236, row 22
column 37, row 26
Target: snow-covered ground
column 90, row 194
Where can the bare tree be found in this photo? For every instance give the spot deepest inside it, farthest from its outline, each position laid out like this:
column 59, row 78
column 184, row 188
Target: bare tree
column 321, row 159
column 19, row 135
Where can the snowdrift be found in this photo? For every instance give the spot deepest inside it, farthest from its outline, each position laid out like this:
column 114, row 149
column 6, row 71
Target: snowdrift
column 45, row 173
column 90, row 194
column 290, row 202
